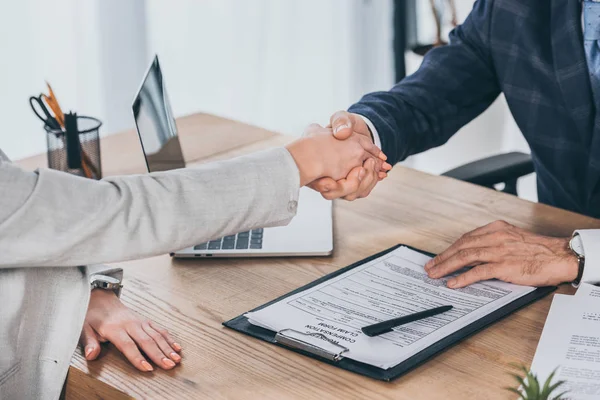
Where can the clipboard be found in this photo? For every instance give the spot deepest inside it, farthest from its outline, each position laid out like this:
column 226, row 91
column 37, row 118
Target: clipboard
column 292, row 340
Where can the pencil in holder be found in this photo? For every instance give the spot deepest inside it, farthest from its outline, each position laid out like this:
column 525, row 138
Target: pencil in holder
column 76, row 149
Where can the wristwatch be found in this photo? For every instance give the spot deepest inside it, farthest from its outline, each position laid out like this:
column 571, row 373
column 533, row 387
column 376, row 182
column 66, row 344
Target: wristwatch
column 576, row 246
column 106, row 282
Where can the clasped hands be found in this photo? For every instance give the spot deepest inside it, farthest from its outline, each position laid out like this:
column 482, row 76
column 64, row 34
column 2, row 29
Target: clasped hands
column 340, row 160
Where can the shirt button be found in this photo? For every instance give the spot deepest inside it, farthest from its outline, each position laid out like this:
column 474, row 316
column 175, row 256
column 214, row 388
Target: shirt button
column 292, row 206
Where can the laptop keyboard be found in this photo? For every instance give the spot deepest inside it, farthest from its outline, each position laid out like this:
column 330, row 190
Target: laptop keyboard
column 242, row 241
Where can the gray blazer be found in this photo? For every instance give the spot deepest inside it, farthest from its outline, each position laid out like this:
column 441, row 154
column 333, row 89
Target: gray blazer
column 52, row 223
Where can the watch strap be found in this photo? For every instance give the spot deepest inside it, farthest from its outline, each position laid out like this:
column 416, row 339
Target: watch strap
column 116, row 273
column 581, row 261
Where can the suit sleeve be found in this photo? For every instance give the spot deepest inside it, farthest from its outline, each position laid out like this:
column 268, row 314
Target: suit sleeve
column 454, row 84
column 49, row 218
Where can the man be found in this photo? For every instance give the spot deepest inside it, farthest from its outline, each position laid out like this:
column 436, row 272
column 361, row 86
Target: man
column 52, row 222
column 548, row 66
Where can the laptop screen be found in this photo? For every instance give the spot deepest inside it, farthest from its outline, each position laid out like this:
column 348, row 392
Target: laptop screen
column 155, row 123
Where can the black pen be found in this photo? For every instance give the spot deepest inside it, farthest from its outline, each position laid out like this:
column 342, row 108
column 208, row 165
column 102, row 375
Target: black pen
column 386, row 326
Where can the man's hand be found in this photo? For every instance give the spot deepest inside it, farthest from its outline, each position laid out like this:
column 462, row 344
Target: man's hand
column 319, row 154
column 502, row 251
column 345, row 125
column 108, row 319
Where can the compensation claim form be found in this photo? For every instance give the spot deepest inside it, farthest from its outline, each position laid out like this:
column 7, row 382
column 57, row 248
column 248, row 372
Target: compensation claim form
column 391, row 286
column 570, row 344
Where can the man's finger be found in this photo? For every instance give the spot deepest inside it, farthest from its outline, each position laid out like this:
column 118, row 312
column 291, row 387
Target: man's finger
column 127, row 346
column 149, row 346
column 367, row 189
column 463, row 258
column 89, row 342
column 346, row 186
column 370, row 147
column 342, row 123
column 466, row 242
column 367, row 183
column 479, row 273
column 161, row 342
column 324, row 185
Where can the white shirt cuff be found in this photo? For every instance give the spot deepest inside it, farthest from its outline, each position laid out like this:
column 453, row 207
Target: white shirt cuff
column 376, row 138
column 590, row 239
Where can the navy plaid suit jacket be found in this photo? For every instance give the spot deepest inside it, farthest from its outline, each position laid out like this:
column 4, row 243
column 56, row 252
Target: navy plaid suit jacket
column 532, row 51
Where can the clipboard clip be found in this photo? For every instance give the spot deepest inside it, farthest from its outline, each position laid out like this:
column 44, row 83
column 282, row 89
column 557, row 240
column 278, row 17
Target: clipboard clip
column 292, row 338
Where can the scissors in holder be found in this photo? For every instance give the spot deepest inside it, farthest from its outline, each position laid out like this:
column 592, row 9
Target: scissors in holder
column 39, row 108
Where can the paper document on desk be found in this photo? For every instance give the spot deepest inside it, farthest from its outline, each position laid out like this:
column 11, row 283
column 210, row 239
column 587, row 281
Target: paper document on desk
column 587, row 290
column 388, row 287
column 570, row 342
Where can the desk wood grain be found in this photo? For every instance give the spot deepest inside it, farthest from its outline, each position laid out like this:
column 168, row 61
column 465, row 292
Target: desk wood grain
column 192, row 298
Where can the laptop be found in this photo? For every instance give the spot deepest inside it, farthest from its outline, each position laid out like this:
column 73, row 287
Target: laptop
column 309, row 234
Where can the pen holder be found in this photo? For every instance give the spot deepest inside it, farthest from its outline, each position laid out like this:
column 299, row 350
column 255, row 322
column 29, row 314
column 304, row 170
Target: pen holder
column 77, row 153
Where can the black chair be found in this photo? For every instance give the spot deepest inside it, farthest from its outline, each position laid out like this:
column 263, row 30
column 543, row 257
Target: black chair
column 504, row 168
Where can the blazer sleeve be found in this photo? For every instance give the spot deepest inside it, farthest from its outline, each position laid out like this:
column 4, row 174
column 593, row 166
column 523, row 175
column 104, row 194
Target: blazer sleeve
column 454, row 84
column 49, row 218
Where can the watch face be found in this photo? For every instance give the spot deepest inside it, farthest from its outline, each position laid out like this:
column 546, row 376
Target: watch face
column 577, row 245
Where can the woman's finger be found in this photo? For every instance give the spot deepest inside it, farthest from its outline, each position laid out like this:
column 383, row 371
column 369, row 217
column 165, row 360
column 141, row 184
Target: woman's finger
column 89, row 342
column 166, row 335
column 149, row 346
column 127, row 346
column 161, row 342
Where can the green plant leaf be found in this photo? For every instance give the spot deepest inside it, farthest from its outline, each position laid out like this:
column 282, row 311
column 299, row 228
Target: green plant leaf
column 519, row 380
column 513, row 390
column 533, row 391
column 547, row 389
column 531, row 388
column 560, row 396
column 555, row 386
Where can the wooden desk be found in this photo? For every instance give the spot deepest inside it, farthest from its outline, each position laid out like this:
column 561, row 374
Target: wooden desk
column 192, row 298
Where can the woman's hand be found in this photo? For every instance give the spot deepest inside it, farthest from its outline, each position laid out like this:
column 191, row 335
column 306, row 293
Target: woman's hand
column 109, row 320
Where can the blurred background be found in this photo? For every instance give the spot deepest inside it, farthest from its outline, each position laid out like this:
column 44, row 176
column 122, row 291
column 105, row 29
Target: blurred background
column 278, row 64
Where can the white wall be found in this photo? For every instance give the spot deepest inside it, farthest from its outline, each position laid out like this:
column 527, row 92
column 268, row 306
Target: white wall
column 91, row 57
column 278, row 64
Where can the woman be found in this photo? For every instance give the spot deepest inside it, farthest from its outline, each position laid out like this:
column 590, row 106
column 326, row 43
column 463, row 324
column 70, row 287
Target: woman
column 51, row 223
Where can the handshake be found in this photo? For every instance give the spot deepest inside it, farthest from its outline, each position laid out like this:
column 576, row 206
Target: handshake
column 340, row 160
